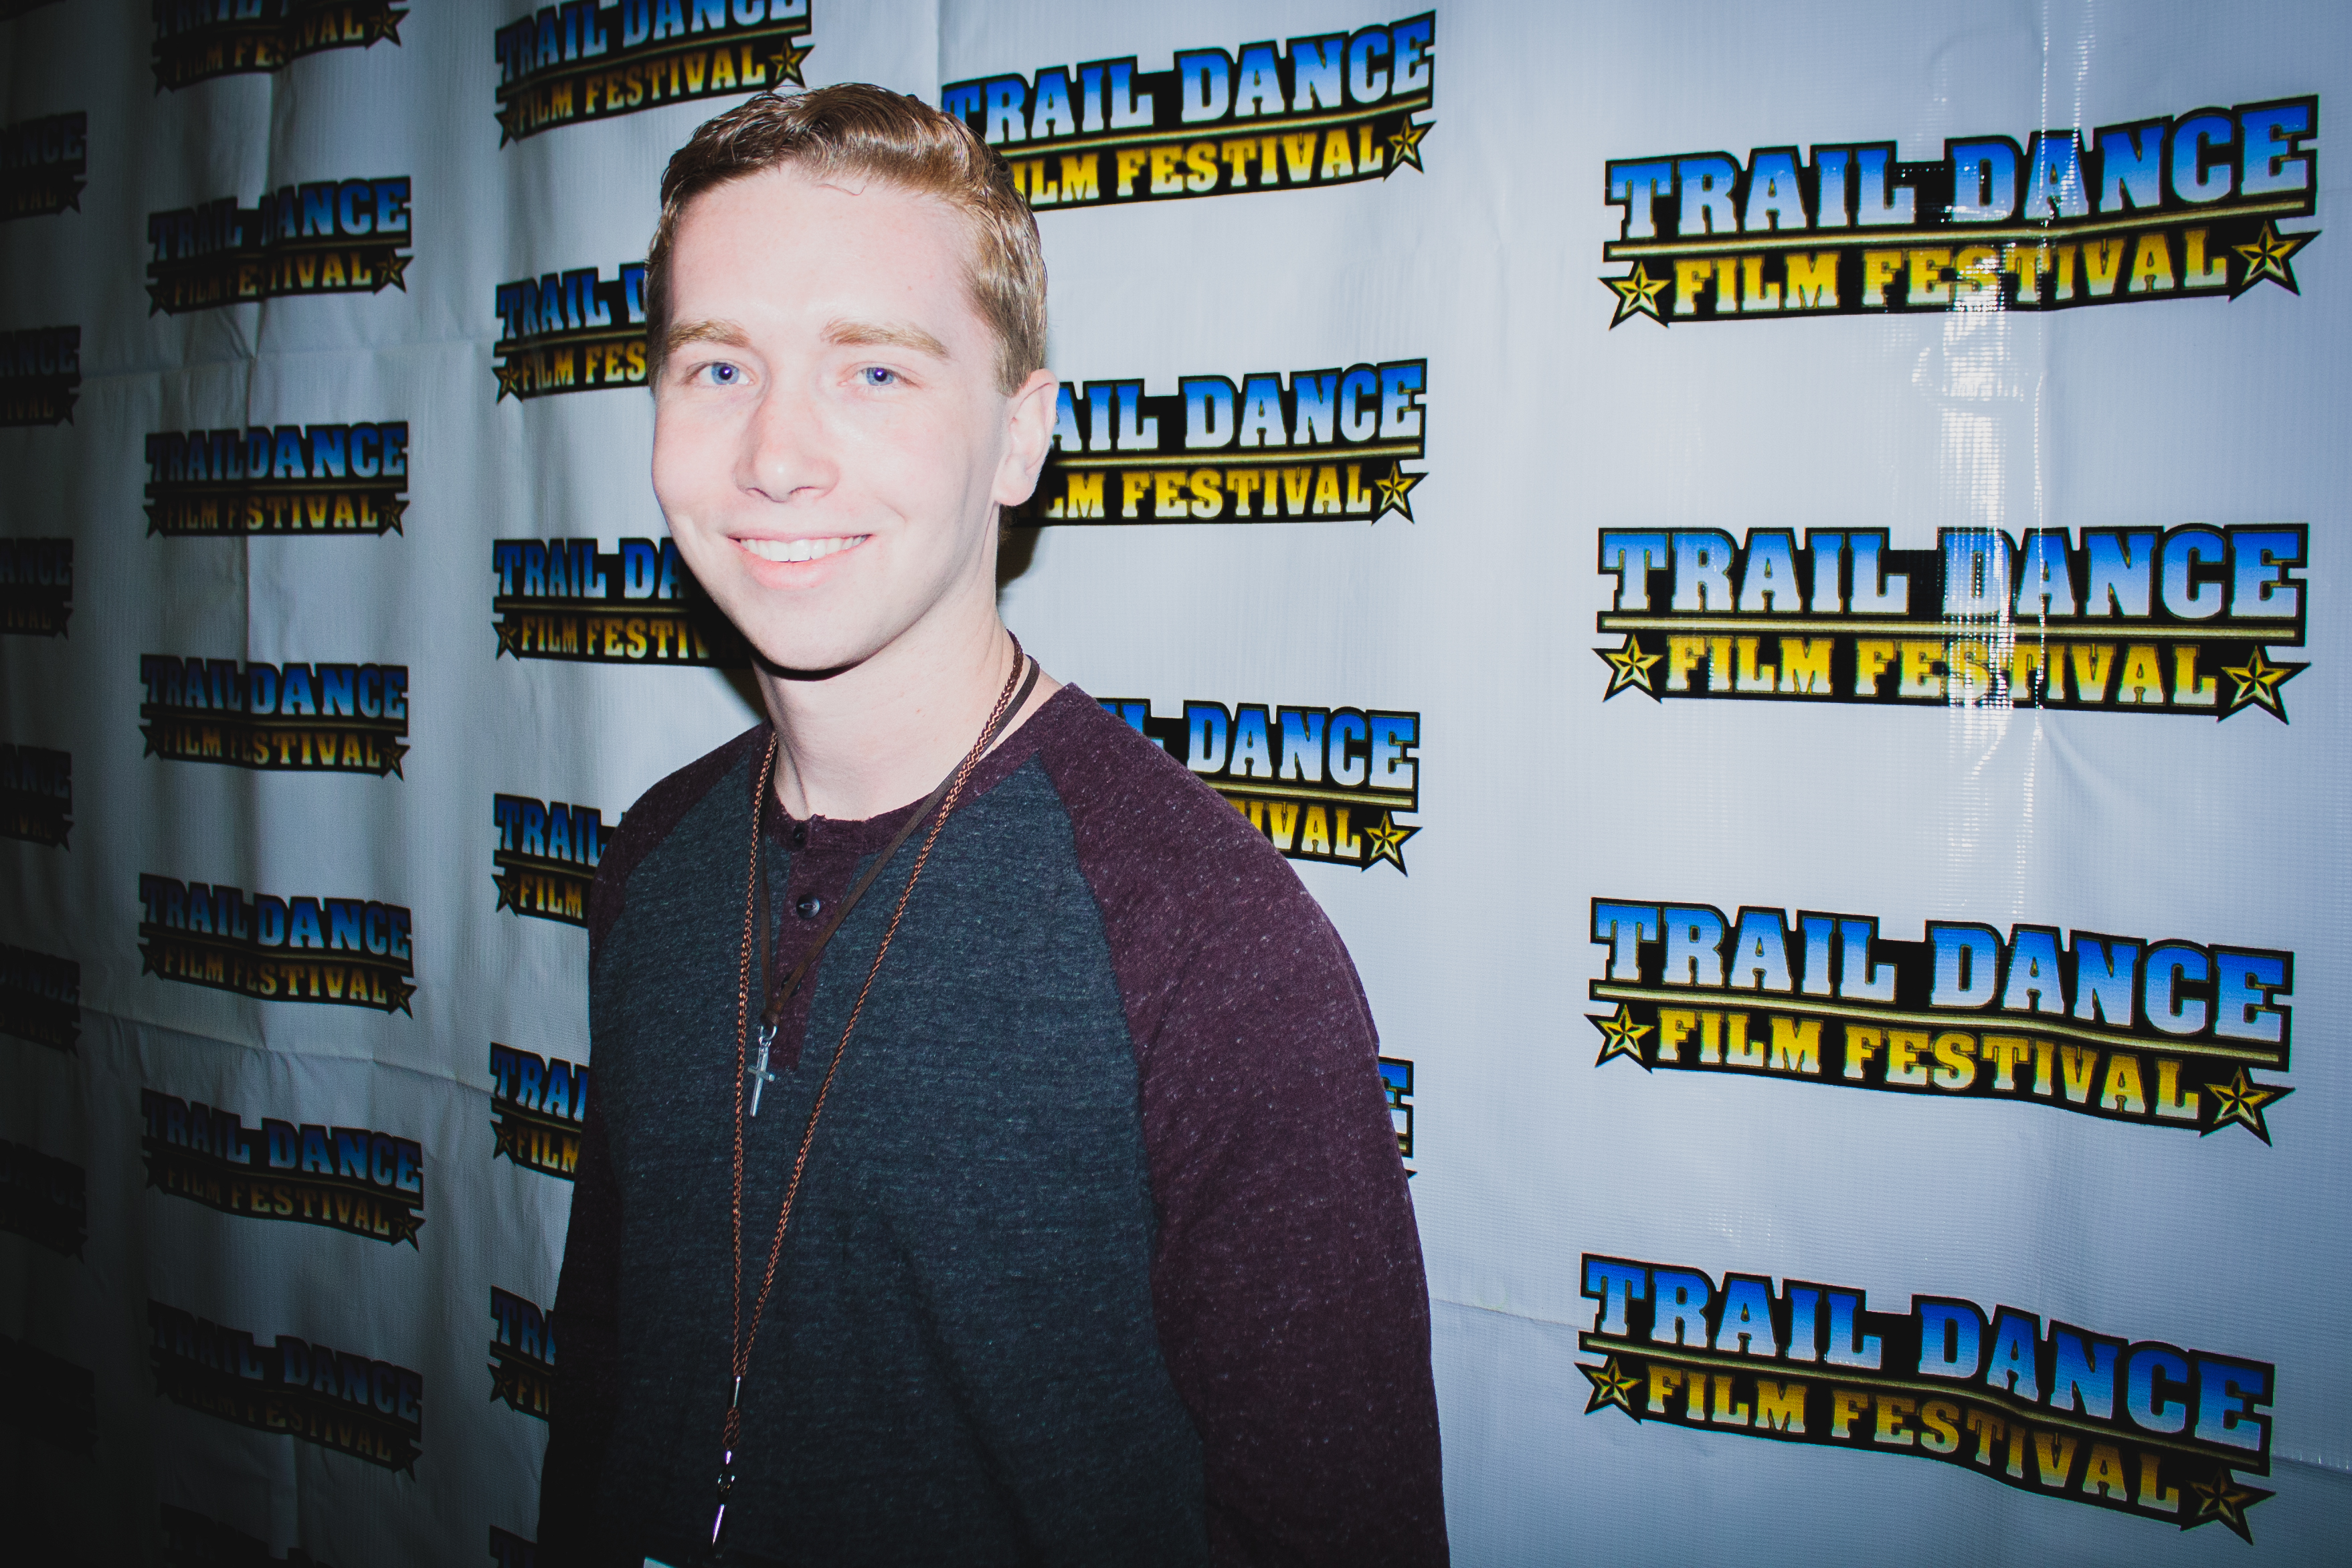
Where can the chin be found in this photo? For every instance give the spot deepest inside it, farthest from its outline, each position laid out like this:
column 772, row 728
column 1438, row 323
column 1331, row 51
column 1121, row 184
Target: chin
column 808, row 650
column 789, row 631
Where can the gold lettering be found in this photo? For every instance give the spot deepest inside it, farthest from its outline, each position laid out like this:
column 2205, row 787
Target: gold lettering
column 1781, row 1408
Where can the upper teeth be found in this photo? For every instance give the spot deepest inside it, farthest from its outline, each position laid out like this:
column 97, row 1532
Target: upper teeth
column 799, row 549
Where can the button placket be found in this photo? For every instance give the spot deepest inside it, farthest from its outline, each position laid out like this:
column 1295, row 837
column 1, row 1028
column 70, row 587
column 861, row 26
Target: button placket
column 822, row 862
column 812, row 878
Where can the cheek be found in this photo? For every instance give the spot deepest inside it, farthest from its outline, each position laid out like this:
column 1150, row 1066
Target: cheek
column 684, row 463
column 921, row 457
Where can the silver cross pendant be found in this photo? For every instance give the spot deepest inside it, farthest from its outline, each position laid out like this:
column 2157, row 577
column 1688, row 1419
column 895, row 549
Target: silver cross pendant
column 759, row 1071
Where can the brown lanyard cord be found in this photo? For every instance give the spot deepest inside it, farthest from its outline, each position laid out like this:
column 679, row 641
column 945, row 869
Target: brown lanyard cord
column 937, row 807
column 772, row 1015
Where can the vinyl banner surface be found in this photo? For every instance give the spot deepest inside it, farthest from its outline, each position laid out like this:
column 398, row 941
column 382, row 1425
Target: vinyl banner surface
column 1778, row 575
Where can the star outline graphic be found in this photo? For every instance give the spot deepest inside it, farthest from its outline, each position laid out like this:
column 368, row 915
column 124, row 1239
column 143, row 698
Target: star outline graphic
column 2222, row 1498
column 1396, row 491
column 2239, row 1101
column 2258, row 681
column 1612, row 1385
column 2272, row 257
column 1628, row 668
column 1620, row 1036
column 1637, row 294
column 1387, row 841
column 1405, row 145
column 784, row 64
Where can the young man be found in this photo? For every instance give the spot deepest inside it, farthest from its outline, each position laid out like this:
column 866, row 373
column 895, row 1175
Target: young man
column 1045, row 1208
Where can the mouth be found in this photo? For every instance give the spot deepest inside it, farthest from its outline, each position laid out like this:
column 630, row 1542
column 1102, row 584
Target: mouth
column 801, row 549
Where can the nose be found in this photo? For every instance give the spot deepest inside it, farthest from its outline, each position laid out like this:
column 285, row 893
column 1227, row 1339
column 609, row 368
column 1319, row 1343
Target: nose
column 785, row 455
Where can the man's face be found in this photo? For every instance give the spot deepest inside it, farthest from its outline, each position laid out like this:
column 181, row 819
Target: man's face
column 830, row 443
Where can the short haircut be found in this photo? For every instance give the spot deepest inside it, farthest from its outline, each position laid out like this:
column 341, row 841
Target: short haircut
column 852, row 130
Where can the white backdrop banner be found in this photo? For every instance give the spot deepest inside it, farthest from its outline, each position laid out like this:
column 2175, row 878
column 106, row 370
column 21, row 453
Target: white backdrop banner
column 1778, row 575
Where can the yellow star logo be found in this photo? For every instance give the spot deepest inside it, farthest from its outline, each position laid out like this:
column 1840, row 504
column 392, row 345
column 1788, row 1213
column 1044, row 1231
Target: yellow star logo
column 1610, row 1385
column 394, row 270
column 510, row 632
column 2258, row 681
column 1629, row 669
column 386, row 26
column 1620, row 1036
column 1394, row 487
column 1405, row 147
column 511, row 376
column 784, row 64
column 1637, row 294
column 2224, row 1498
column 1388, row 841
column 2271, row 255
column 2242, row 1101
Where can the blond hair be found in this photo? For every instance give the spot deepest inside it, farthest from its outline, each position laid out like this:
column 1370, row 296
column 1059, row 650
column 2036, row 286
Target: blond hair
column 861, row 131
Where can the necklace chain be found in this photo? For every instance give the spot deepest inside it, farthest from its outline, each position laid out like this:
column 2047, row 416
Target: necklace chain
column 741, row 1343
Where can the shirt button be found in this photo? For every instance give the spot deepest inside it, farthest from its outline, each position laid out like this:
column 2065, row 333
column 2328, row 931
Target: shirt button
column 800, row 835
column 808, row 906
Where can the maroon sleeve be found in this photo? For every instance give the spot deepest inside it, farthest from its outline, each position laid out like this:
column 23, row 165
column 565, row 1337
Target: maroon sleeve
column 1287, row 1279
column 586, row 1316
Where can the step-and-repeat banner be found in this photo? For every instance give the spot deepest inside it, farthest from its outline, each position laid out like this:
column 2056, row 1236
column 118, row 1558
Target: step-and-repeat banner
column 1777, row 572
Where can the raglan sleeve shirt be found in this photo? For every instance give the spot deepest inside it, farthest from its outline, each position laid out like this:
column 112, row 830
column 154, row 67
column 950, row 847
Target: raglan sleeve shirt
column 587, row 1300
column 1287, row 1275
column 1286, row 1278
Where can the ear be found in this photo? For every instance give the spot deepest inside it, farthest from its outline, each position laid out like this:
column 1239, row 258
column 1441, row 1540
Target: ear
column 1029, row 430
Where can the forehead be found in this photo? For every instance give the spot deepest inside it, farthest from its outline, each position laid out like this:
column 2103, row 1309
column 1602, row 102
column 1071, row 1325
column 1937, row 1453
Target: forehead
column 782, row 245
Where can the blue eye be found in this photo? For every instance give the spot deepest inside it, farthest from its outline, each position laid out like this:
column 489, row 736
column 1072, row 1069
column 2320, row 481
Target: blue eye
column 877, row 376
column 724, row 375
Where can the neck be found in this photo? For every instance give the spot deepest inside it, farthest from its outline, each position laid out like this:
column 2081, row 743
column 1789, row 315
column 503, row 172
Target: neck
column 881, row 734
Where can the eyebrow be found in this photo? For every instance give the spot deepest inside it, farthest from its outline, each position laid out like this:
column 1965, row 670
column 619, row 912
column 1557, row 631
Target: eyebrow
column 714, row 331
column 884, row 334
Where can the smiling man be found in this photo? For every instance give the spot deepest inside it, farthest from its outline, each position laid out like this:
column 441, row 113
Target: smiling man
column 988, row 1162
